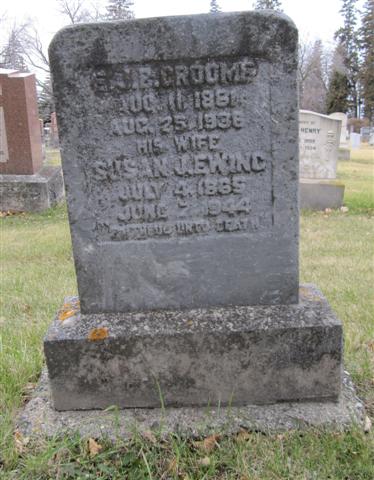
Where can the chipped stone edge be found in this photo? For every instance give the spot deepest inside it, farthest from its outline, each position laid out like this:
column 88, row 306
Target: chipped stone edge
column 38, row 419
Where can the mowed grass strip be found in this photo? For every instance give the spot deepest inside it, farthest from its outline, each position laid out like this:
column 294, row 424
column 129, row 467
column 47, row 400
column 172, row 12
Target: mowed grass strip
column 358, row 177
column 337, row 252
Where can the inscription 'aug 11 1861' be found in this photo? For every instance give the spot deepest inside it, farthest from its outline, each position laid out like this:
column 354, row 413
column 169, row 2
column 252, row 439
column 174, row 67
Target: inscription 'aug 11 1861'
column 181, row 164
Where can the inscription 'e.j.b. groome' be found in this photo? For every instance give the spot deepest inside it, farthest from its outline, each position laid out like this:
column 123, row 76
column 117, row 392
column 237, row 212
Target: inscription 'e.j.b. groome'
column 184, row 164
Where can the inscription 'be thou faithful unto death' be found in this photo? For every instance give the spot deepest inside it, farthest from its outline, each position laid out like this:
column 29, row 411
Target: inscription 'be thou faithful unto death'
column 184, row 166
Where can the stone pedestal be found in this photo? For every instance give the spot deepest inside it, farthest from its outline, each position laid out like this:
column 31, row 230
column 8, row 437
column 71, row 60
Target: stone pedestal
column 320, row 194
column 31, row 193
column 218, row 356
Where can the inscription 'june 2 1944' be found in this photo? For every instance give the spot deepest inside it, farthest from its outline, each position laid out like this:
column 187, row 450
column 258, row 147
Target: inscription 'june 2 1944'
column 184, row 164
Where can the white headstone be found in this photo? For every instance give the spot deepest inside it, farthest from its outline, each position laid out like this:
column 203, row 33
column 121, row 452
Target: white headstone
column 344, row 130
column 319, row 144
column 355, row 140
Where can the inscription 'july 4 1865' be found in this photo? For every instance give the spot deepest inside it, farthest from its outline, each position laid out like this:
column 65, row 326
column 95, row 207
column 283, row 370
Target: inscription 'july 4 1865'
column 186, row 163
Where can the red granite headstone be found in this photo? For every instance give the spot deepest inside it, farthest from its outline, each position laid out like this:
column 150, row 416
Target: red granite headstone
column 20, row 138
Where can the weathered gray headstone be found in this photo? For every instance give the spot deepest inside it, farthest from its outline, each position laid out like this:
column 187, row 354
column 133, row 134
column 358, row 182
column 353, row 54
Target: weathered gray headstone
column 180, row 155
column 180, row 160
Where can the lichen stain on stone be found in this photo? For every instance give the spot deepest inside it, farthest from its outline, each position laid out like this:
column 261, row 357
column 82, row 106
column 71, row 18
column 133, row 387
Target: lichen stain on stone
column 68, row 310
column 309, row 295
column 98, row 334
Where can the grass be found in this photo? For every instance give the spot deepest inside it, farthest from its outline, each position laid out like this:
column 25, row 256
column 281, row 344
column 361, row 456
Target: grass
column 358, row 176
column 337, row 254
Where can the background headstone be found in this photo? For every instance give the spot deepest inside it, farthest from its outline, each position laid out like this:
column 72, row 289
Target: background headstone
column 371, row 139
column 365, row 133
column 24, row 183
column 19, row 109
column 355, row 140
column 319, row 144
column 344, row 151
column 344, row 127
column 53, row 132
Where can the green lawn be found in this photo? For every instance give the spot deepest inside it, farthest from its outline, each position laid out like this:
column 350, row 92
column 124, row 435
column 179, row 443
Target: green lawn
column 337, row 253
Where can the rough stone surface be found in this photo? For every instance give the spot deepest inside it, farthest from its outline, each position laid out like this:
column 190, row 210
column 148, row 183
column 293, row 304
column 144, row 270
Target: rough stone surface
column 321, row 194
column 180, row 160
column 20, row 137
column 226, row 356
column 39, row 419
column 31, row 193
column 319, row 145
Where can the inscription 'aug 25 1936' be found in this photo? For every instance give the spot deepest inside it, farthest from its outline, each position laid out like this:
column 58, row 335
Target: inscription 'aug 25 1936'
column 185, row 162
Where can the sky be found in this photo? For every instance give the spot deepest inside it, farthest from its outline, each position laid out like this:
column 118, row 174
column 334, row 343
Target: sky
column 314, row 18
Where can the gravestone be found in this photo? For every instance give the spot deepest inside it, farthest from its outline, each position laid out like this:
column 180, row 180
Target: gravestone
column 24, row 183
column 365, row 133
column 53, row 132
column 319, row 144
column 371, row 139
column 180, row 157
column 355, row 140
column 344, row 151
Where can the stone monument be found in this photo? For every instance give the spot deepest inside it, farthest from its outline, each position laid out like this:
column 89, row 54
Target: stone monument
column 179, row 144
column 371, row 138
column 344, row 151
column 25, row 185
column 319, row 144
column 53, row 132
column 355, row 140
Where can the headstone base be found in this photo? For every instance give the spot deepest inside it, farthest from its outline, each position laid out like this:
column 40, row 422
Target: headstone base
column 219, row 356
column 344, row 154
column 321, row 194
column 31, row 193
column 38, row 419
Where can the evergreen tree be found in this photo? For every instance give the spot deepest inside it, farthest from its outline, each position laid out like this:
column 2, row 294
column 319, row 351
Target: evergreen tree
column 367, row 50
column 119, row 10
column 348, row 39
column 214, row 7
column 337, row 94
column 338, row 85
column 268, row 5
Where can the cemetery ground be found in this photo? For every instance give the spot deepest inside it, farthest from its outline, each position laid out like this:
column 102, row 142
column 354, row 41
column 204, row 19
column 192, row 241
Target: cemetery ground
column 336, row 253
